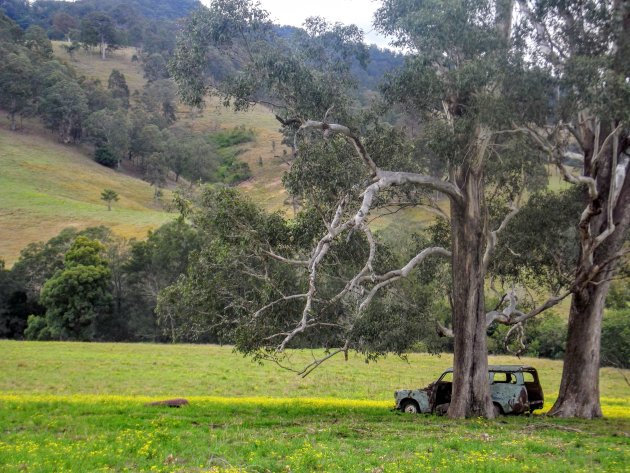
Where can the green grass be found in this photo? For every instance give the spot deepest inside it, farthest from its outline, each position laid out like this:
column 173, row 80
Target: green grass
column 81, row 407
column 46, row 186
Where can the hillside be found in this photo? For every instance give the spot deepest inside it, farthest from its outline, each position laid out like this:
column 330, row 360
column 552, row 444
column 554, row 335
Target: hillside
column 47, row 186
column 265, row 187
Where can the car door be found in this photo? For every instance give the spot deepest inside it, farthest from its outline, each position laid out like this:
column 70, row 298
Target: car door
column 507, row 390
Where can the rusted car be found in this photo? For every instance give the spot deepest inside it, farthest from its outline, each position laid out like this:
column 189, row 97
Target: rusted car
column 514, row 389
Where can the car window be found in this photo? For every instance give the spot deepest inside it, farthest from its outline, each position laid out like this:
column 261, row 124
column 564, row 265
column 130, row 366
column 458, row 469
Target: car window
column 503, row 377
column 447, row 377
column 528, row 377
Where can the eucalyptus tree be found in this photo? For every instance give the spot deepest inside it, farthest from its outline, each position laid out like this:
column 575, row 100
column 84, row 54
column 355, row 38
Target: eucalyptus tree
column 464, row 79
column 98, row 29
column 16, row 86
column 586, row 46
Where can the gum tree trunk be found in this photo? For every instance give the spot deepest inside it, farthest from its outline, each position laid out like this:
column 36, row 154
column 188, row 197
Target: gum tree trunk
column 579, row 388
column 471, row 393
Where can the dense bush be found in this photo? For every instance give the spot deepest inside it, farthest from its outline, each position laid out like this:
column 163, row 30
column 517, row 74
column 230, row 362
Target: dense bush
column 233, row 137
column 106, row 157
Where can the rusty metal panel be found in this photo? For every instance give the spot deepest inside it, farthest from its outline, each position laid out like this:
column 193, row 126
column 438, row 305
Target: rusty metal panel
column 511, row 396
column 419, row 395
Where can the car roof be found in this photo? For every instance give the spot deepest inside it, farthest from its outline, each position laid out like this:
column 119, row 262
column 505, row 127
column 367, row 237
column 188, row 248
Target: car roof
column 503, row 368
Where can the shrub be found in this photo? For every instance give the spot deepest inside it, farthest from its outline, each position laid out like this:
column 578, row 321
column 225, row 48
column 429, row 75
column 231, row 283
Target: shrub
column 106, row 157
column 37, row 328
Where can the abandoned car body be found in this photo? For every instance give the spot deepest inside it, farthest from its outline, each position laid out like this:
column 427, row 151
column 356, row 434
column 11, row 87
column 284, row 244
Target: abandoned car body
column 514, row 389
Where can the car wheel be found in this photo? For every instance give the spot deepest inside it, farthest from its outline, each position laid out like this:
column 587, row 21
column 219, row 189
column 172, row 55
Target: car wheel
column 410, row 407
column 497, row 410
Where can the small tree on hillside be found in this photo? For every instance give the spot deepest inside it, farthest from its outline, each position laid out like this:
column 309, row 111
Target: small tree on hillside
column 117, row 85
column 109, row 196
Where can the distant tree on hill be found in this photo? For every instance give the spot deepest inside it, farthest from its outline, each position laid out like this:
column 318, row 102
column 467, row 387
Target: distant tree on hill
column 63, row 107
column 16, row 88
column 71, row 48
column 98, row 29
column 109, row 196
column 66, row 25
column 17, row 10
column 117, row 85
column 110, row 129
column 159, row 98
column 36, row 40
column 155, row 68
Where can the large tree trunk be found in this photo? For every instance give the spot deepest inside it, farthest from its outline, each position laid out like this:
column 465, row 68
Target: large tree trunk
column 579, row 388
column 471, row 393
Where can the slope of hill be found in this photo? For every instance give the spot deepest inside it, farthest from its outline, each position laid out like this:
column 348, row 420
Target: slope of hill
column 265, row 186
column 46, row 186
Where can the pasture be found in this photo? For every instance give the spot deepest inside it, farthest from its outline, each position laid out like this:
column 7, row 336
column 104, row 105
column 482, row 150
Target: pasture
column 81, row 407
column 46, row 186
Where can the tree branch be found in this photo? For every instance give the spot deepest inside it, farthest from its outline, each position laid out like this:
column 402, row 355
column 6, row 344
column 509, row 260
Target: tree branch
column 493, row 237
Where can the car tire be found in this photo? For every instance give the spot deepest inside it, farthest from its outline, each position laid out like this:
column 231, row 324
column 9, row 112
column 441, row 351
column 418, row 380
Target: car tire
column 410, row 407
column 497, row 411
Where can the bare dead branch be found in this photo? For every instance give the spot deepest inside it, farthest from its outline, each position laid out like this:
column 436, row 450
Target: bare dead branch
column 316, row 363
column 277, row 257
column 388, row 278
column 345, row 131
column 278, row 301
column 444, row 331
column 493, row 237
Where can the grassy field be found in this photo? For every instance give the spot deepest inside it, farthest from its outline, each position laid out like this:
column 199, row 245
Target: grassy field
column 46, row 186
column 81, row 407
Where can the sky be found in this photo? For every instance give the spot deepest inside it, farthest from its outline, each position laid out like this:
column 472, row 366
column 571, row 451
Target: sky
column 358, row 12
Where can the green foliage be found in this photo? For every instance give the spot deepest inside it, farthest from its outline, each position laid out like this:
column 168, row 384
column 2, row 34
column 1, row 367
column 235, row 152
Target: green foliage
column 109, row 130
column 97, row 29
column 153, row 265
column 540, row 244
column 619, row 294
column 545, row 337
column 158, row 98
column 615, row 341
column 15, row 305
column 77, row 295
column 117, row 85
column 37, row 328
column 109, row 196
column 16, row 86
column 155, row 68
column 36, row 40
column 233, row 137
column 106, row 157
column 63, row 108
